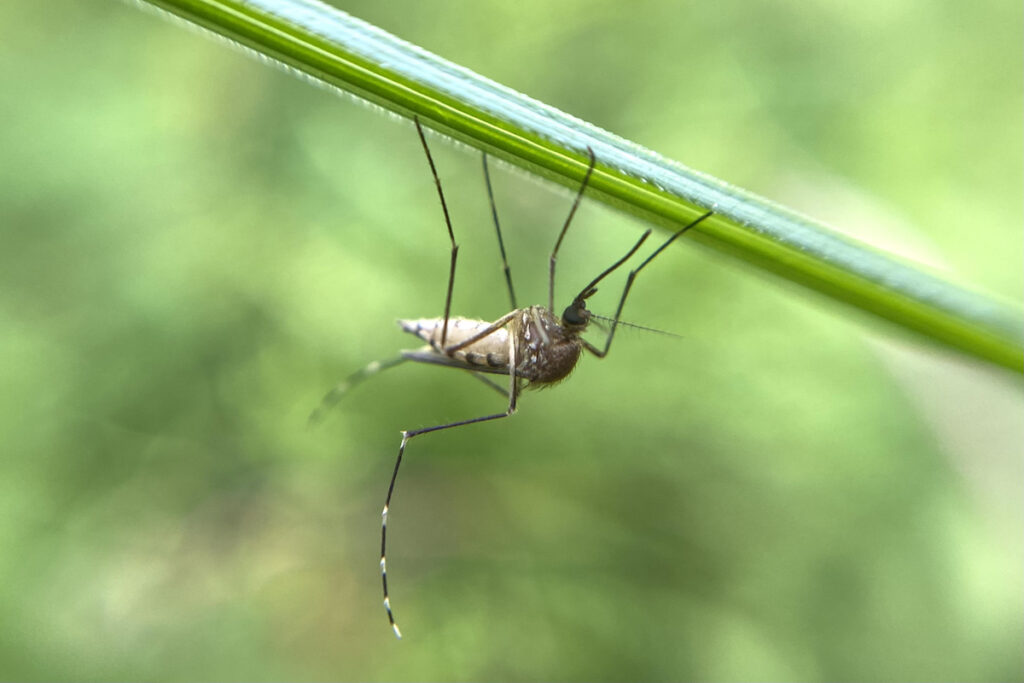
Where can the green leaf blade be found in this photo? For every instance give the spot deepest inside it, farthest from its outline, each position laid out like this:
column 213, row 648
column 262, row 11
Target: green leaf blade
column 331, row 47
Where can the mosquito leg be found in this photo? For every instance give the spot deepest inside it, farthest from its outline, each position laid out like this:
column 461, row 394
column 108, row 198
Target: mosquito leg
column 513, row 395
column 501, row 242
column 336, row 394
column 565, row 227
column 451, row 233
column 601, row 353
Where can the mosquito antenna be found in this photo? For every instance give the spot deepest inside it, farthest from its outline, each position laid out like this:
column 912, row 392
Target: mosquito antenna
column 501, row 242
column 572, row 212
column 634, row 326
column 451, row 234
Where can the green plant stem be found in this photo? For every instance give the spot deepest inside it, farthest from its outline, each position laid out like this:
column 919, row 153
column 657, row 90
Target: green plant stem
column 332, row 47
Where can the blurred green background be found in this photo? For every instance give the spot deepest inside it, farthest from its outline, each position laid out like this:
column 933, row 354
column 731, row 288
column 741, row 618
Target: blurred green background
column 195, row 246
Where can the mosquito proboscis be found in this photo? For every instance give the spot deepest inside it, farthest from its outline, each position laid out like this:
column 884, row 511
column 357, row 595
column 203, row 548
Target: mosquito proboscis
column 531, row 346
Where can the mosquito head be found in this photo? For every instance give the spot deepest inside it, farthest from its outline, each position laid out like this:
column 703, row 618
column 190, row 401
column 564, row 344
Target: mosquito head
column 576, row 315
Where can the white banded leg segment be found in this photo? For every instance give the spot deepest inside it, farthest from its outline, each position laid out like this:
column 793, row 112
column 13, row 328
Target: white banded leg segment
column 513, row 394
column 384, row 537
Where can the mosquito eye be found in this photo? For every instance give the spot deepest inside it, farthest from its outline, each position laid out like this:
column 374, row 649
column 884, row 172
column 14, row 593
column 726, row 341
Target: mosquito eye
column 575, row 315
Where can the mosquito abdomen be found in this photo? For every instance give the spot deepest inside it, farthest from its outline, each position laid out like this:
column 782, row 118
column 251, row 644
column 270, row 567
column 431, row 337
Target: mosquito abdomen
column 489, row 352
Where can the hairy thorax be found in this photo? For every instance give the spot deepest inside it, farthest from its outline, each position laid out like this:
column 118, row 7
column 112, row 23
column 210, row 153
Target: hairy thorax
column 546, row 352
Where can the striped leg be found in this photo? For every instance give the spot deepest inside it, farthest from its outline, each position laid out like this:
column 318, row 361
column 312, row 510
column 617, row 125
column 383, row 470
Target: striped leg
column 513, row 395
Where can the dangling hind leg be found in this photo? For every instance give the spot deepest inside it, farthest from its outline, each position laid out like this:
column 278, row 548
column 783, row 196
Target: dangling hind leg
column 513, row 395
column 350, row 382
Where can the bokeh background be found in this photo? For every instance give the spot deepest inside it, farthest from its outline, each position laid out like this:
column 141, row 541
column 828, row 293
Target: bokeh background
column 195, row 246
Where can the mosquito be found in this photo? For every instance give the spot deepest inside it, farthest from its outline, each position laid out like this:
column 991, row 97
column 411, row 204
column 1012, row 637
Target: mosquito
column 531, row 346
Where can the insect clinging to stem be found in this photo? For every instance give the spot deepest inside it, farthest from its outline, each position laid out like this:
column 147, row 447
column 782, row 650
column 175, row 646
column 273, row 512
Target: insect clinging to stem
column 531, row 346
